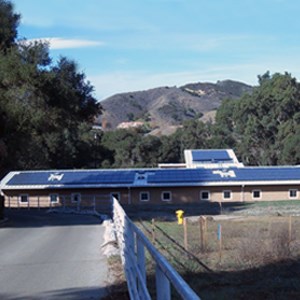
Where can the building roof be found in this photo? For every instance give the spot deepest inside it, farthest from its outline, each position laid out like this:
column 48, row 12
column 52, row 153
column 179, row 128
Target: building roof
column 65, row 179
column 211, row 155
column 211, row 158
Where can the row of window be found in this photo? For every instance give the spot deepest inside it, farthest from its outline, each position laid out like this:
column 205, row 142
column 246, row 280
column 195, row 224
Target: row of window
column 205, row 195
column 165, row 196
column 54, row 198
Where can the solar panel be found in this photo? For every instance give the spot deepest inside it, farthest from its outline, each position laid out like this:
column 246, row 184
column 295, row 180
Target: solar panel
column 29, row 178
column 100, row 177
column 155, row 177
column 210, row 155
column 178, row 176
column 72, row 178
column 269, row 173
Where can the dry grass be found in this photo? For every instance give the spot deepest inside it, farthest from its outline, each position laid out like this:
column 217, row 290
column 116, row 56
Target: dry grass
column 257, row 254
column 117, row 289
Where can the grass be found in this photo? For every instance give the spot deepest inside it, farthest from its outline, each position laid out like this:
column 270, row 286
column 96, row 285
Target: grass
column 260, row 257
column 118, row 289
column 255, row 262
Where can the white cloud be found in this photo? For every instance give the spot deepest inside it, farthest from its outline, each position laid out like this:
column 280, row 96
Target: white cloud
column 112, row 83
column 56, row 43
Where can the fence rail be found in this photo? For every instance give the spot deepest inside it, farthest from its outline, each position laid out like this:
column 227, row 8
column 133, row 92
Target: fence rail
column 133, row 243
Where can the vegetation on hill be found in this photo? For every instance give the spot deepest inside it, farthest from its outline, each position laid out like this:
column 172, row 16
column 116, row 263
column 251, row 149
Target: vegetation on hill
column 165, row 107
column 262, row 127
column 47, row 111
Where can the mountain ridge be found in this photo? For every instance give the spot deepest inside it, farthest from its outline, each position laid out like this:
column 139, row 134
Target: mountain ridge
column 167, row 107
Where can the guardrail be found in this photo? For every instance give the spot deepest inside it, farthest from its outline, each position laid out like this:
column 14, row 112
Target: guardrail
column 133, row 243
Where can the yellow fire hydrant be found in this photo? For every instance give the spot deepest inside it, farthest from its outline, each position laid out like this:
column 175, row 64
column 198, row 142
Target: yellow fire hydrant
column 179, row 214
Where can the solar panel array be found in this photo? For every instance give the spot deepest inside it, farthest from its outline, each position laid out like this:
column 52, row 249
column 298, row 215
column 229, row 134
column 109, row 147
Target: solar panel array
column 210, row 155
column 100, row 177
column 73, row 178
column 268, row 173
column 155, row 176
column 179, row 175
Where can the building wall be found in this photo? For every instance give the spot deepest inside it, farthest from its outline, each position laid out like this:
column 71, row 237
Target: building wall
column 175, row 195
column 41, row 198
column 271, row 193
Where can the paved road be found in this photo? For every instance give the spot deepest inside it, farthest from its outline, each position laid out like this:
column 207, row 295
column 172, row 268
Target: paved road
column 51, row 256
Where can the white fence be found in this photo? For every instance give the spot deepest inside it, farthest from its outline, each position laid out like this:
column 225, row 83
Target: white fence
column 132, row 243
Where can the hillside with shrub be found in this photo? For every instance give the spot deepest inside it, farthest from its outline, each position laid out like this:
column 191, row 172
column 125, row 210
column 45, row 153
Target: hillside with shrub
column 164, row 107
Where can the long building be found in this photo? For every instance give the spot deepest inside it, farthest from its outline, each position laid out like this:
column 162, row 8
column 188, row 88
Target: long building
column 209, row 175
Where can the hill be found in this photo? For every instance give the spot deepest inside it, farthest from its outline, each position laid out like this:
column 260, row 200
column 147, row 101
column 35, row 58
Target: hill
column 165, row 108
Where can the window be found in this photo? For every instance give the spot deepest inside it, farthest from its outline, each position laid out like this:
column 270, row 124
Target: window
column 166, row 196
column 256, row 194
column 23, row 198
column 144, row 196
column 53, row 198
column 76, row 197
column 204, row 195
column 227, row 195
column 115, row 195
column 293, row 194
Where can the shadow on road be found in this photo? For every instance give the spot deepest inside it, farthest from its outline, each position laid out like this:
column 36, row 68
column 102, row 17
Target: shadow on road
column 65, row 294
column 39, row 218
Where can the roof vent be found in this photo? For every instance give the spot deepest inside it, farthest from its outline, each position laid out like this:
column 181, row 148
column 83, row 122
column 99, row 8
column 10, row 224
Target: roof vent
column 225, row 174
column 55, row 177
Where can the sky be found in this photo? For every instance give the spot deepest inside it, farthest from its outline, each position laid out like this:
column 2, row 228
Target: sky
column 125, row 46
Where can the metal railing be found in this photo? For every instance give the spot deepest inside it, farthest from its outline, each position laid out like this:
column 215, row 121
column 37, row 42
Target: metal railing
column 133, row 243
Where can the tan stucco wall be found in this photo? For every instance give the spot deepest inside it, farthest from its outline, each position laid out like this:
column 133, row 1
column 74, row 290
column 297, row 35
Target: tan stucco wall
column 132, row 196
column 270, row 193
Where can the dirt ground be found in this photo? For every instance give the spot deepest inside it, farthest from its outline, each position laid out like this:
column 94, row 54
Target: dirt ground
column 258, row 256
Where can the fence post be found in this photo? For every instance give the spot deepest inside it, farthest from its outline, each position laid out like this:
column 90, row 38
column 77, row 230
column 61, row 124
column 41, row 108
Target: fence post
column 163, row 291
column 290, row 229
column 141, row 263
column 185, row 234
column 204, row 233
column 153, row 231
column 201, row 232
column 220, row 242
column 133, row 244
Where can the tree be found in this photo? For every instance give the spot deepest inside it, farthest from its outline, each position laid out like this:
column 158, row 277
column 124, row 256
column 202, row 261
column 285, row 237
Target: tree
column 147, row 151
column 9, row 22
column 46, row 110
column 122, row 143
column 257, row 122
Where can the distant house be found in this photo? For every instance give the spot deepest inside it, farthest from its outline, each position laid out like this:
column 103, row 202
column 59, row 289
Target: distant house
column 209, row 175
column 127, row 125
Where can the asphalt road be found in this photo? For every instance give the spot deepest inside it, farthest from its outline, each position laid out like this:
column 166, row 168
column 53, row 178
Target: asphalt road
column 51, row 256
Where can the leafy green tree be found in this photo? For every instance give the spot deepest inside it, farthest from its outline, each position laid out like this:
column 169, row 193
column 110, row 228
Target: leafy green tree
column 9, row 22
column 256, row 123
column 122, row 143
column 147, row 151
column 46, row 110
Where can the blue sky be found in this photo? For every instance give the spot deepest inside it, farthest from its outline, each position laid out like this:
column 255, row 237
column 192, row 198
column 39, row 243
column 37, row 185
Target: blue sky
column 140, row 44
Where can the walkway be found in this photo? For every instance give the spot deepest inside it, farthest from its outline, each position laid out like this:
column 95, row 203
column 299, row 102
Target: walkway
column 51, row 256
